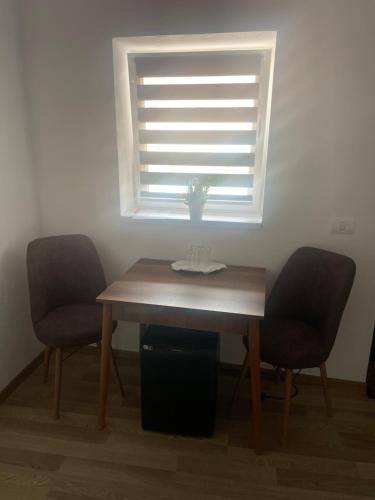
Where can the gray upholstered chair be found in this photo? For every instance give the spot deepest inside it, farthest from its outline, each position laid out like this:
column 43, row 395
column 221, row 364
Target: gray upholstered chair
column 65, row 277
column 302, row 317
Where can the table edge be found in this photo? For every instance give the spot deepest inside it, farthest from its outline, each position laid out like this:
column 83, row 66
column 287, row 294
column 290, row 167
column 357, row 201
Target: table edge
column 213, row 311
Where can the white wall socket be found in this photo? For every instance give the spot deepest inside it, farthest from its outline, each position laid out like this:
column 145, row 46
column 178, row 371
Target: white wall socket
column 342, row 225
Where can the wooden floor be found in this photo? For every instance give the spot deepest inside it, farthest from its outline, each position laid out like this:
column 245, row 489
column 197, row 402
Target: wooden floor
column 69, row 460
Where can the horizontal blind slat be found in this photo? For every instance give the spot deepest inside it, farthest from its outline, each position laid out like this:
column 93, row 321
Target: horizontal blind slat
column 233, row 91
column 197, row 115
column 216, row 159
column 198, row 169
column 198, row 137
column 182, row 196
column 169, row 179
column 198, row 64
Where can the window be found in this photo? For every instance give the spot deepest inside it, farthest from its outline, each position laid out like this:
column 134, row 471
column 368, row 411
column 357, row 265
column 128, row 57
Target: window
column 193, row 106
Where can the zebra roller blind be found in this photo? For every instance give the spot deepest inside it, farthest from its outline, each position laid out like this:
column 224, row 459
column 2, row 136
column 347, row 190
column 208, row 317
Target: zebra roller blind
column 198, row 115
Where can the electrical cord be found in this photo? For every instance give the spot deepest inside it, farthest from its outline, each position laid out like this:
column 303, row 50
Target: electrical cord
column 264, row 395
column 71, row 354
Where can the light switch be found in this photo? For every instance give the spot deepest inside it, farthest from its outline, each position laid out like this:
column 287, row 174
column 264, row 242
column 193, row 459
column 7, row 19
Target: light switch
column 343, row 226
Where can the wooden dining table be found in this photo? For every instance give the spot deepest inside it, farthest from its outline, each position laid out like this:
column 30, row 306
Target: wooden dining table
column 150, row 292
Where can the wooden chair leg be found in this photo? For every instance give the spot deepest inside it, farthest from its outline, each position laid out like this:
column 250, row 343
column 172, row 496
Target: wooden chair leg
column 327, row 398
column 240, row 380
column 47, row 358
column 117, row 373
column 58, row 373
column 287, row 401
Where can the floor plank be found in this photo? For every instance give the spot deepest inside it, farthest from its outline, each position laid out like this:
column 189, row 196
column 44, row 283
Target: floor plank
column 68, row 459
column 32, row 459
column 326, row 482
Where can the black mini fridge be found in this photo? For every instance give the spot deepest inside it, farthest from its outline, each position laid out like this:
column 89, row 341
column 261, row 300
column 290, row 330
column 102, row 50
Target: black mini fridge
column 179, row 380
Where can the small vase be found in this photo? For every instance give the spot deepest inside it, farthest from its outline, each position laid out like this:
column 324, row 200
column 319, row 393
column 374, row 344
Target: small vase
column 196, row 210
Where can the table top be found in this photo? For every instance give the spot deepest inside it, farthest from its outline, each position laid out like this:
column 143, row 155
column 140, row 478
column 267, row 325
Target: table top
column 237, row 290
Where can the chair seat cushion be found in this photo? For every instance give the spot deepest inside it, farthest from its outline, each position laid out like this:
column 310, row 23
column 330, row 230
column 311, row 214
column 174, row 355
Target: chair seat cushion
column 71, row 326
column 290, row 343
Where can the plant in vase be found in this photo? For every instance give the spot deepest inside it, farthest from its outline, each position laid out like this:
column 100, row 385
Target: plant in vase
column 196, row 198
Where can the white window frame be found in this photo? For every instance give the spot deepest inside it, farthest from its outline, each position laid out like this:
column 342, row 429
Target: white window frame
column 127, row 133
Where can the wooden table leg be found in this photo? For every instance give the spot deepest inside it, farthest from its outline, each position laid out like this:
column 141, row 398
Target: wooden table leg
column 105, row 363
column 254, row 366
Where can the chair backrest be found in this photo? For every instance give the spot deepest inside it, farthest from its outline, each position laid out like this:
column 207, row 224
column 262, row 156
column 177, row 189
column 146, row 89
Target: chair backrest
column 62, row 270
column 313, row 287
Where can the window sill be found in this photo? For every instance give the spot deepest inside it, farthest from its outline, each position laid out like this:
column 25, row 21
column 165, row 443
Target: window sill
column 208, row 219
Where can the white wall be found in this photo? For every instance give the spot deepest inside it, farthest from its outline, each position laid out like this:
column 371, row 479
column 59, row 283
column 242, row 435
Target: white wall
column 321, row 161
column 18, row 206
